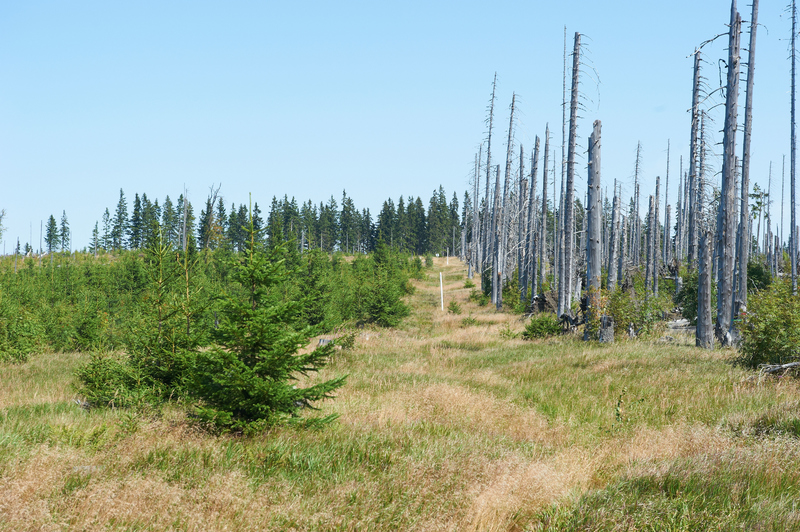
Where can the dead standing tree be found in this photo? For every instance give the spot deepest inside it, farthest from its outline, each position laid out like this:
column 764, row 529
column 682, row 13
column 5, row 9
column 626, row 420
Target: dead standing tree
column 793, row 228
column 497, row 275
column 594, row 259
column 725, row 215
column 744, row 239
column 569, row 198
column 613, row 246
column 543, row 224
column 704, row 333
column 488, row 218
column 693, row 157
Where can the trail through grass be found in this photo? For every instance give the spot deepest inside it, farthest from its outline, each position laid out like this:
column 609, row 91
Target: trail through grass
column 445, row 424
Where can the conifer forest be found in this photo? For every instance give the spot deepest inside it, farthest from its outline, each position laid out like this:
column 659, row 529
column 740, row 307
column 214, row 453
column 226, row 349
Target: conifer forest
column 548, row 348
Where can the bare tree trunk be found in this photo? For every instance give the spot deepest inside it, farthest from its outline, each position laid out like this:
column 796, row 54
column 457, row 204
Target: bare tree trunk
column 725, row 217
column 560, row 247
column 744, row 220
column 704, row 333
column 679, row 220
column 496, row 235
column 637, row 230
column 594, row 260
column 665, row 251
column 613, row 245
column 649, row 243
column 533, row 234
column 543, row 223
column 623, row 252
column 693, row 156
column 656, row 234
column 476, row 237
column 488, row 222
column 501, row 254
column 522, row 229
column 667, row 219
column 569, row 211
column 793, row 228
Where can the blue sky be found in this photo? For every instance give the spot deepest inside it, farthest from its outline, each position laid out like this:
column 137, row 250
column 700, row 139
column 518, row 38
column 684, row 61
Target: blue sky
column 309, row 98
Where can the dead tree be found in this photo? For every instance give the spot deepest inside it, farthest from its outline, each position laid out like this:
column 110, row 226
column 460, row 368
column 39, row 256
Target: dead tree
column 476, row 237
column 541, row 259
column 665, row 251
column 693, row 157
column 488, row 222
column 613, row 245
column 623, row 251
column 594, row 260
column 704, row 333
column 725, row 215
column 522, row 228
column 636, row 247
column 569, row 207
column 497, row 278
column 533, row 234
column 656, row 234
column 649, row 243
column 743, row 253
column 793, row 228
column 495, row 236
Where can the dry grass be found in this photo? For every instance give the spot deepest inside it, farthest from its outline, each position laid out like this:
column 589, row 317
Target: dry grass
column 442, row 427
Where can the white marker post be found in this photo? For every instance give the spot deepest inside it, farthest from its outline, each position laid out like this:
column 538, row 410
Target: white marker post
column 441, row 289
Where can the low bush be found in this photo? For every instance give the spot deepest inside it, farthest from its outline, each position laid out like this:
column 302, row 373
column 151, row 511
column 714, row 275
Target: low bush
column 771, row 328
column 542, row 325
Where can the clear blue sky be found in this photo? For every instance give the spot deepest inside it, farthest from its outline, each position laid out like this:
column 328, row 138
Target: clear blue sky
column 310, row 98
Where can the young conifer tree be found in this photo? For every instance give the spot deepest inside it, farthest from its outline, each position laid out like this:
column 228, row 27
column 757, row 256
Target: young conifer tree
column 247, row 380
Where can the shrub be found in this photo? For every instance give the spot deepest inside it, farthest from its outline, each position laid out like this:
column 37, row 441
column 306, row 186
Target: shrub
column 635, row 306
column 479, row 297
column 542, row 325
column 771, row 329
column 453, row 307
column 469, row 284
column 469, row 321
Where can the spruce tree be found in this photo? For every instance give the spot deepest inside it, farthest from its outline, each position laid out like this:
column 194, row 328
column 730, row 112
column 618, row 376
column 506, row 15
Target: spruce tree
column 52, row 238
column 246, row 381
column 135, row 227
column 120, row 226
column 64, row 232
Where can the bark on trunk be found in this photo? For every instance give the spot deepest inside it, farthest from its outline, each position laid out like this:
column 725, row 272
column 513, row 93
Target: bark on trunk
column 725, row 218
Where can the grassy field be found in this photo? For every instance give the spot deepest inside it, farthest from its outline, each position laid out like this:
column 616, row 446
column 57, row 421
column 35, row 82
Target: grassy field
column 448, row 423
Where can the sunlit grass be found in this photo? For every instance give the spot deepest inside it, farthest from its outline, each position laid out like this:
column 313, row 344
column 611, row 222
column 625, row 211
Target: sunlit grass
column 443, row 425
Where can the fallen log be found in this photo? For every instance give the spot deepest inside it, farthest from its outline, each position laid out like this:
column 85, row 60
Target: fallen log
column 777, row 368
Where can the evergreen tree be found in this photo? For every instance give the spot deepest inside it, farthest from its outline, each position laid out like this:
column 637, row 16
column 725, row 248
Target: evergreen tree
column 367, row 232
column 328, row 225
column 258, row 222
column 95, row 242
column 169, row 223
column 105, row 240
column 120, row 226
column 386, row 222
column 52, row 238
column 245, row 381
column 135, row 227
column 221, row 220
column 64, row 232
column 348, row 224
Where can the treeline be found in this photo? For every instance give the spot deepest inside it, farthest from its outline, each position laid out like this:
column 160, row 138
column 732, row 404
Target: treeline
column 407, row 225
